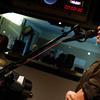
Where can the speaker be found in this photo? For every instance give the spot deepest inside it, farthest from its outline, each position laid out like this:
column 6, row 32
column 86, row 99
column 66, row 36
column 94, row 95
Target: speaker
column 18, row 46
column 65, row 61
column 3, row 42
column 78, row 69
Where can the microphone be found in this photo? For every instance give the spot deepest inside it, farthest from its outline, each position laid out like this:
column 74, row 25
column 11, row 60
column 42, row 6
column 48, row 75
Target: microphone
column 91, row 33
column 82, row 35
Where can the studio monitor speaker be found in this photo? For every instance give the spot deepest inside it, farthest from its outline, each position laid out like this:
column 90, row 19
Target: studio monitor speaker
column 65, row 61
column 18, row 46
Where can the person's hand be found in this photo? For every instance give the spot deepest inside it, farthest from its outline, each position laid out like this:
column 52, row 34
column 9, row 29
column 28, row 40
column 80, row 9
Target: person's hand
column 71, row 95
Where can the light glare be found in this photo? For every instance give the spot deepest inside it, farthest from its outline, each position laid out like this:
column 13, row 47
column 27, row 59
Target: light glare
column 13, row 17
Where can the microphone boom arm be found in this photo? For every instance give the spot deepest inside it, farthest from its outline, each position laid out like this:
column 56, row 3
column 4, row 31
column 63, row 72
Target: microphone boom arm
column 25, row 59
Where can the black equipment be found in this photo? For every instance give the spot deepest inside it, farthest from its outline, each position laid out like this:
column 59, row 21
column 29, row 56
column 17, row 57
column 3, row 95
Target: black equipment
column 9, row 84
column 18, row 46
column 13, row 89
column 65, row 61
column 3, row 42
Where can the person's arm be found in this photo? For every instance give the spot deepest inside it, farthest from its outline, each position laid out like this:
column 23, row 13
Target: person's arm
column 71, row 95
column 90, row 89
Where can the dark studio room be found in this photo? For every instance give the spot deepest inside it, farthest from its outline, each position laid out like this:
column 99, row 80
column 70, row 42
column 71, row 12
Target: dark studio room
column 49, row 50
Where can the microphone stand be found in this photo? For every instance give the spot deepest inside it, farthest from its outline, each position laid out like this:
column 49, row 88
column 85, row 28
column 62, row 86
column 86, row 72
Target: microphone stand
column 25, row 59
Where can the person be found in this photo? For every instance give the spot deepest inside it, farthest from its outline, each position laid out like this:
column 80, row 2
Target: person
column 89, row 84
column 98, row 36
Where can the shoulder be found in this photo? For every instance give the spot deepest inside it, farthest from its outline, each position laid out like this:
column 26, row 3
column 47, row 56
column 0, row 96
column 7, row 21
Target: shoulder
column 93, row 67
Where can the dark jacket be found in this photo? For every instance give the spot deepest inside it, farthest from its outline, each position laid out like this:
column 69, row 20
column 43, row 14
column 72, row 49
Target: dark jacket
column 90, row 82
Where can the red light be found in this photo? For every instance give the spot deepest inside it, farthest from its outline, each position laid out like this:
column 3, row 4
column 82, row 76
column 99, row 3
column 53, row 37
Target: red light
column 66, row 6
column 73, row 8
column 80, row 10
